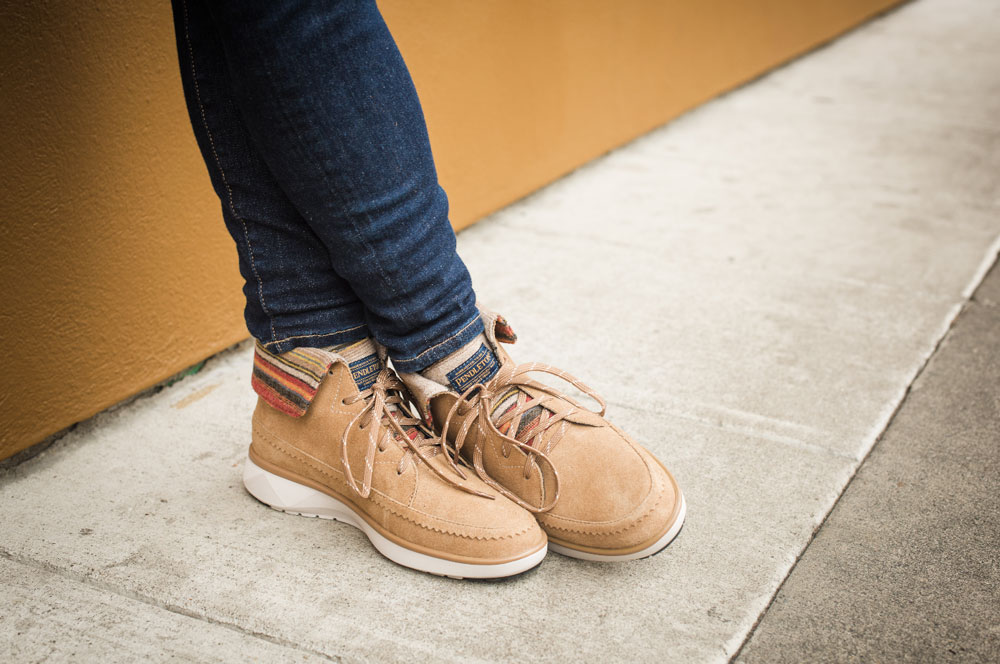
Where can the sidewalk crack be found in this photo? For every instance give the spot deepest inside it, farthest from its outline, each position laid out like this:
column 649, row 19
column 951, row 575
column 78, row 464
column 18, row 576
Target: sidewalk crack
column 152, row 601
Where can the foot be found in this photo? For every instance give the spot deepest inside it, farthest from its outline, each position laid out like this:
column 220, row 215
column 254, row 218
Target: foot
column 350, row 450
column 597, row 494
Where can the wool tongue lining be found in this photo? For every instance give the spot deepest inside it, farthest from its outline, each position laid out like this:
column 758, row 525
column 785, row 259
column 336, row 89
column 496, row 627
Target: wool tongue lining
column 365, row 364
column 363, row 361
column 530, row 419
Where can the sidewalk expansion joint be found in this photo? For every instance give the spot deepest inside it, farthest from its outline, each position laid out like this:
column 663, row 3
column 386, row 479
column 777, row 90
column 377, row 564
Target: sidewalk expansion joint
column 968, row 294
column 104, row 586
column 774, row 437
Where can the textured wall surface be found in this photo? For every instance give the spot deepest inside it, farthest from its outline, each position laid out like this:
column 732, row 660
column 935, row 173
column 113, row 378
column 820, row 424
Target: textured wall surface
column 115, row 268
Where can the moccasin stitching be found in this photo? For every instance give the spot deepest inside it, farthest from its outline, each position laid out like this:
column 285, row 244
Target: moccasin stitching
column 645, row 516
column 379, row 498
column 598, row 530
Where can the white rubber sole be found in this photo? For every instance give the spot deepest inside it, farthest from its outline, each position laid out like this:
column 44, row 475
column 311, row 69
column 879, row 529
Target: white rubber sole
column 648, row 551
column 294, row 498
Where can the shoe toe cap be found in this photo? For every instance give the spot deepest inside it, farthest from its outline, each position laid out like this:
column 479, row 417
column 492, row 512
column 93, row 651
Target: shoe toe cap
column 614, row 495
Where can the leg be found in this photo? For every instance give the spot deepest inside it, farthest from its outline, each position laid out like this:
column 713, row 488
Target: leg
column 294, row 297
column 330, row 105
column 329, row 417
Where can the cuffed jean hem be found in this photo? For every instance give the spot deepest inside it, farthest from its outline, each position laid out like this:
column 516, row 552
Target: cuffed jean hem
column 317, row 340
column 469, row 331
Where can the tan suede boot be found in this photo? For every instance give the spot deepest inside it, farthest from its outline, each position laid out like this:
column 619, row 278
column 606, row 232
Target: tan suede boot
column 597, row 494
column 360, row 457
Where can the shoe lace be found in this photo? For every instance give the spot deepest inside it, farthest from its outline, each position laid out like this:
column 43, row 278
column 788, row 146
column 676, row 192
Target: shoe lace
column 384, row 402
column 484, row 398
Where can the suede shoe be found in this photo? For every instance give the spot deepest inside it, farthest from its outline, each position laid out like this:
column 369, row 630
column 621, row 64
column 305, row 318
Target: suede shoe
column 597, row 493
column 360, row 457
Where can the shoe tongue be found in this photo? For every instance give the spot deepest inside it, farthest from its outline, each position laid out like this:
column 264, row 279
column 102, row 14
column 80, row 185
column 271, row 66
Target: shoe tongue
column 473, row 363
column 478, row 367
column 363, row 360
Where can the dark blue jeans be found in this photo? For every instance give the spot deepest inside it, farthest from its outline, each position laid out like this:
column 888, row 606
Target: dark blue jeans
column 316, row 145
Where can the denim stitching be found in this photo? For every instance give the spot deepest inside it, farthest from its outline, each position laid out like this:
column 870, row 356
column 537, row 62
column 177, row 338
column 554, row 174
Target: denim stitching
column 307, row 336
column 464, row 328
column 222, row 172
column 328, row 177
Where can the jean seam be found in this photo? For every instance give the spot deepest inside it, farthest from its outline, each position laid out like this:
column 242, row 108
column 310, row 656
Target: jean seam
column 222, row 172
column 311, row 336
column 317, row 163
column 442, row 342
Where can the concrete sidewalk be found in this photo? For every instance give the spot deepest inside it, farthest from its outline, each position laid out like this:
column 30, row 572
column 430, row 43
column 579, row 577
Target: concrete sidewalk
column 906, row 569
column 753, row 288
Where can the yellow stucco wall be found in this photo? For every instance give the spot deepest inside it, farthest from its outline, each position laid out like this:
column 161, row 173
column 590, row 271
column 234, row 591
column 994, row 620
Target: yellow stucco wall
column 115, row 268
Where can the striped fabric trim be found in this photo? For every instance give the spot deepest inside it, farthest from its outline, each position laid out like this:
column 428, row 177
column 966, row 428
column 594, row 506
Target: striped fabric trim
column 530, row 418
column 289, row 381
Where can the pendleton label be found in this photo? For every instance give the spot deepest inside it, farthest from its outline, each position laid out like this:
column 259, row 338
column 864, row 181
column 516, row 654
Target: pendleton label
column 365, row 371
column 479, row 368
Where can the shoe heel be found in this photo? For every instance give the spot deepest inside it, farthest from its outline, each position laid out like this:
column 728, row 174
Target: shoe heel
column 292, row 497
